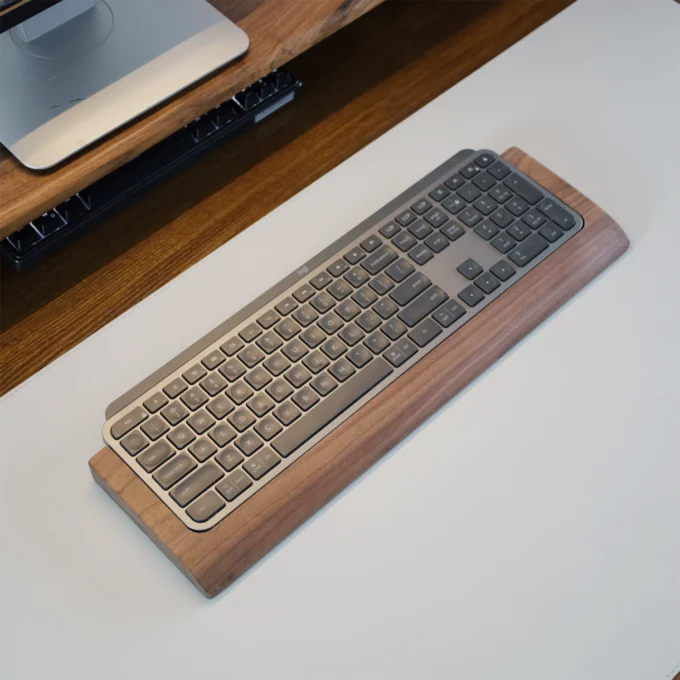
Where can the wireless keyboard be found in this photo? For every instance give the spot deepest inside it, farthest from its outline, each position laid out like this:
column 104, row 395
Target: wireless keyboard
column 211, row 429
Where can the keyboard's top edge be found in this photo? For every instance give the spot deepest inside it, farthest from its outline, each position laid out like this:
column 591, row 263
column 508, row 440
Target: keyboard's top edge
column 157, row 376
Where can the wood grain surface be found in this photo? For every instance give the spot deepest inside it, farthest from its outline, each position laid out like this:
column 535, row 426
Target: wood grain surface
column 214, row 559
column 278, row 30
column 358, row 83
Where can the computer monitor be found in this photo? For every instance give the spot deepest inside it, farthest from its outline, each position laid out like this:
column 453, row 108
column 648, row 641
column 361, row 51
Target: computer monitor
column 73, row 71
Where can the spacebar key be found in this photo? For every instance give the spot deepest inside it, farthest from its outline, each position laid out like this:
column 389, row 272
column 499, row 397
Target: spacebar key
column 332, row 406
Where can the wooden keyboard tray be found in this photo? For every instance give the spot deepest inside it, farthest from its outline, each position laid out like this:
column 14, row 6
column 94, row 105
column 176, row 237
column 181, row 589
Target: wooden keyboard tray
column 214, row 559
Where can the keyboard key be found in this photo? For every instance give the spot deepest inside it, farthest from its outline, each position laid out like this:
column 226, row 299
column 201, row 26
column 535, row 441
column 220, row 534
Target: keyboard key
column 234, row 485
column 359, row 356
column 439, row 193
column 401, row 352
column 377, row 342
column 322, row 302
column 406, row 218
column 342, row 370
column 194, row 398
column 154, row 403
column 470, row 170
column 341, row 289
column 371, row 243
column 351, row 335
column 519, row 231
column 231, row 346
column 436, row 243
column 357, row 277
column 181, row 436
column 191, row 487
column 501, row 194
column 334, row 347
column 277, row 364
column 486, row 205
column 498, row 170
column 368, row 321
column 213, row 384
column 213, row 360
column 420, row 230
column 298, row 376
column 470, row 269
column 355, row 255
column 421, row 206
column 484, row 160
column 389, row 230
column 469, row 193
column 129, row 421
column 207, row 506
column 365, row 297
column 487, row 283
column 425, row 332
column 250, row 332
column 526, row 252
column 550, row 232
column 394, row 329
column 484, row 181
column 454, row 204
column 410, row 289
column 288, row 329
column 437, row 217
column 470, row 217
column 260, row 404
column 502, row 218
column 534, row 219
column 194, row 374
column 347, row 310
column 239, row 392
column 385, row 308
column 305, row 315
column 155, row 455
column 455, row 182
column 178, row 467
column 448, row 313
column 503, row 270
column 258, row 466
column 175, row 388
column 241, row 420
column 453, row 231
column 279, row 390
column 258, row 378
column 487, row 230
column 517, row 206
column 557, row 214
column 154, row 428
column 321, row 280
column 287, row 413
column 313, row 337
column 332, row 406
column 323, row 384
column 134, row 443
column 503, row 243
column 232, row 370
column 306, row 398
column 229, row 458
column 471, row 295
column 315, row 362
column 268, row 319
column 421, row 254
column 405, row 241
column 175, row 413
column 286, row 306
column 220, row 407
column 249, row 443
column 422, row 306
column 250, row 356
column 268, row 428
column 381, row 284
column 523, row 189
column 400, row 270
column 269, row 342
column 303, row 293
column 202, row 449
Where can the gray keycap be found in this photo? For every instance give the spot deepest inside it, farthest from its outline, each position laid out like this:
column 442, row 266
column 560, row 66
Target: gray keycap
column 439, row 193
column 400, row 270
column 348, row 310
column 487, row 283
column 279, row 390
column 437, row 217
column 174, row 413
column 250, row 332
column 371, row 243
column 376, row 342
column 487, row 230
column 316, row 361
column 194, row 398
column 484, row 160
column 359, row 356
column 306, row 398
column 484, row 181
column 342, row 370
column 333, row 405
column 338, row 268
column 421, row 254
column 351, row 335
column 503, row 270
column 258, row 378
column 154, row 403
column 357, row 277
column 192, row 486
column 259, row 465
column 248, row 443
column 502, row 218
column 202, row 449
column 313, row 336
column 134, row 443
column 470, row 269
column 404, row 241
column 268, row 319
column 175, row 388
column 469, row 193
column 401, row 352
column 201, row 421
column 455, row 182
column 232, row 370
column 523, row 189
column 422, row 306
column 239, row 392
column 260, row 404
column 231, row 346
column 251, row 356
column 287, row 413
column 550, row 232
column 503, row 243
column 269, row 342
column 453, row 231
column 454, row 204
column 498, row 170
column 437, row 243
column 194, row 374
column 410, row 289
column 286, row 306
column 330, row 323
column 298, row 376
column 229, row 458
column 394, row 329
column 303, row 293
column 385, row 308
column 381, row 258
column 155, row 455
column 334, row 347
column 220, row 407
column 324, row 384
column 421, row 206
column 368, row 321
column 390, row 229
column 178, row 467
column 448, row 313
column 128, row 422
column 295, row 350
column 557, row 214
column 288, row 329
column 355, row 255
column 471, row 296
column 527, row 251
column 234, row 485
column 534, row 219
column 181, row 436
column 207, row 506
column 501, row 194
column 340, row 289
column 222, row 434
column 213, row 384
column 322, row 302
column 155, row 427
column 425, row 332
column 268, row 428
column 305, row 315
column 277, row 364
column 321, row 280
column 381, row 284
column 213, row 360
column 517, row 206
column 365, row 297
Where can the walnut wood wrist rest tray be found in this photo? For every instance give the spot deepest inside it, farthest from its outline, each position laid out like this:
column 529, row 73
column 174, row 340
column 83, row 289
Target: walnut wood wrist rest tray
column 215, row 558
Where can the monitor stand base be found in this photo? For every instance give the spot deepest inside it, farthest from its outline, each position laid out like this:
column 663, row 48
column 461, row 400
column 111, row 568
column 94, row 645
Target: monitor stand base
column 70, row 86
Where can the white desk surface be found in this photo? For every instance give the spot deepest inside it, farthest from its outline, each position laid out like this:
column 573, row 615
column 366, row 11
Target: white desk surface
column 530, row 530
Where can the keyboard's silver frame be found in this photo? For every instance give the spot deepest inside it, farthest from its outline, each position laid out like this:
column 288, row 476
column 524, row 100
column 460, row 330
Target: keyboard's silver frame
column 477, row 248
